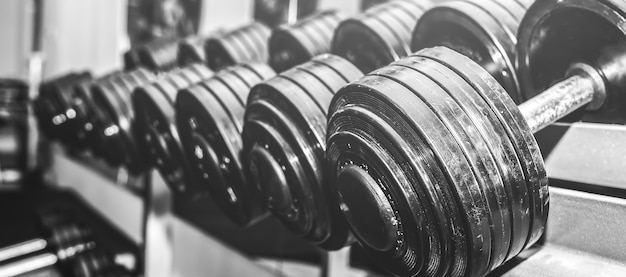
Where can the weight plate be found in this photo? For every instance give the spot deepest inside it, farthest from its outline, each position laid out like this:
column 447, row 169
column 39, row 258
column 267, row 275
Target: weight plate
column 513, row 122
column 262, row 70
column 246, row 75
column 278, row 108
column 475, row 149
column 273, row 166
column 358, row 43
column 235, row 85
column 157, row 133
column 410, row 239
column 221, row 52
column 496, row 137
column 260, row 35
column 191, row 52
column 315, row 90
column 482, row 38
column 319, row 33
column 290, row 46
column 286, row 51
column 390, row 17
column 213, row 144
column 437, row 136
column 370, row 95
column 500, row 12
column 326, row 24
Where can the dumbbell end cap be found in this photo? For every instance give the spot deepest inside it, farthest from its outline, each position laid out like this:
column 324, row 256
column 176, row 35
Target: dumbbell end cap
column 367, row 208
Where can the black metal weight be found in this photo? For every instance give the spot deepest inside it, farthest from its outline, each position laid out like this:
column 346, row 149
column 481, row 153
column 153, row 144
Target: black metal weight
column 191, row 51
column 441, row 122
column 380, row 35
column 247, row 44
column 209, row 118
column 114, row 130
column 155, row 124
column 284, row 143
column 53, row 105
column 290, row 45
column 484, row 30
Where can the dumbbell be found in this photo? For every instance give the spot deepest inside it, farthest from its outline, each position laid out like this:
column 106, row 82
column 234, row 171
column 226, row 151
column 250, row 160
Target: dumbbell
column 484, row 30
column 434, row 150
column 155, row 124
column 209, row 118
column 114, row 129
column 52, row 107
column 92, row 263
column 246, row 44
column 291, row 45
column 97, row 263
column 82, row 127
column 157, row 55
column 283, row 147
column 276, row 12
column 64, row 242
column 378, row 36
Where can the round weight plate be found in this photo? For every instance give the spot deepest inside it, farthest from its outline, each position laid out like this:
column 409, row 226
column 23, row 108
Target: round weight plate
column 249, row 77
column 241, row 37
column 234, row 84
column 213, row 145
column 473, row 146
column 421, row 118
column 260, row 34
column 263, row 71
column 516, row 127
column 315, row 90
column 496, row 137
column 191, row 51
column 231, row 104
column 365, row 43
column 390, row 16
column 298, row 215
column 458, row 26
column 385, row 149
column 221, row 53
column 289, row 47
column 156, row 132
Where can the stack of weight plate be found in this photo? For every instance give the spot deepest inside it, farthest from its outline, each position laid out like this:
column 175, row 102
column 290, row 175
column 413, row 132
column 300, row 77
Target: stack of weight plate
column 247, row 44
column 158, row 55
column 191, row 51
column 436, row 176
column 380, row 35
column 283, row 147
column 114, row 134
column 484, row 30
column 53, row 106
column 155, row 123
column 290, row 45
column 209, row 118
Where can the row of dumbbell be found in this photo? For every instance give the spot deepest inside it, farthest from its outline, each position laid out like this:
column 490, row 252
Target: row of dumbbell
column 66, row 246
column 426, row 161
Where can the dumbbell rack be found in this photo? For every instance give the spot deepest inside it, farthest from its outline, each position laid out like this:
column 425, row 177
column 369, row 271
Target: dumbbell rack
column 586, row 215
